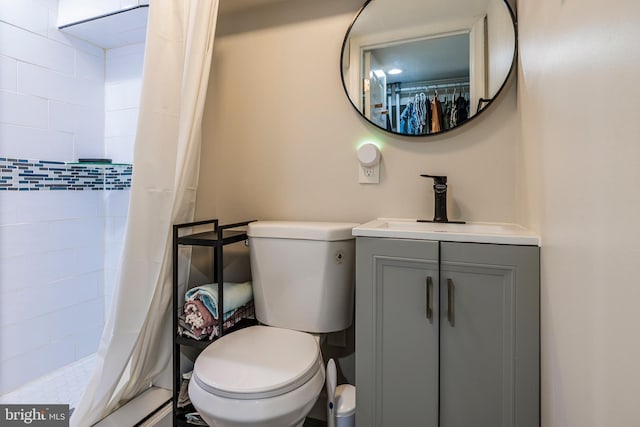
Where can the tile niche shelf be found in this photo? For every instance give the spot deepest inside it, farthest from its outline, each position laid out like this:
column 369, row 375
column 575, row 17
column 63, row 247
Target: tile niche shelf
column 215, row 236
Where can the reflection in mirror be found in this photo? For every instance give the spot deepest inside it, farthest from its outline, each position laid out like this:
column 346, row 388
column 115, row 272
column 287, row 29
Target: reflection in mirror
column 421, row 67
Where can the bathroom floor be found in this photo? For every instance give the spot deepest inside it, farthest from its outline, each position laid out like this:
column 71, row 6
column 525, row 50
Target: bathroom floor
column 61, row 386
column 65, row 386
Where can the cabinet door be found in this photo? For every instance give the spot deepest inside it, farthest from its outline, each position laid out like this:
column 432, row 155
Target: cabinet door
column 396, row 342
column 489, row 337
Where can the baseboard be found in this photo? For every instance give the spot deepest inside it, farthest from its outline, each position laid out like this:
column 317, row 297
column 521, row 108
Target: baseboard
column 163, row 417
column 140, row 409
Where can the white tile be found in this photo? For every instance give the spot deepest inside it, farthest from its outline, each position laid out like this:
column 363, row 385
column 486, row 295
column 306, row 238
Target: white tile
column 76, row 319
column 8, row 206
column 122, row 95
column 56, row 265
column 123, row 67
column 111, row 277
column 11, row 243
column 8, row 74
column 120, row 148
column 39, row 238
column 59, row 354
column 113, row 255
column 76, row 233
column 14, row 271
column 75, row 118
column 32, row 48
column 35, row 144
column 11, row 309
column 50, row 4
column 109, row 298
column 46, row 83
column 115, row 227
column 49, row 236
column 28, row 366
column 28, row 305
column 16, row 338
column 27, row 273
column 61, row 386
column 121, row 122
column 23, row 110
column 90, row 67
column 78, row 44
column 125, row 4
column 84, row 46
column 78, row 289
column 88, row 259
column 30, row 15
column 81, row 46
column 88, row 144
column 132, row 49
column 114, row 235
column 16, row 372
column 117, row 203
column 87, row 342
column 46, row 206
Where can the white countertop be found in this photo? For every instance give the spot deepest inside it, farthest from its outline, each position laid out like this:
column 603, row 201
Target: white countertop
column 472, row 232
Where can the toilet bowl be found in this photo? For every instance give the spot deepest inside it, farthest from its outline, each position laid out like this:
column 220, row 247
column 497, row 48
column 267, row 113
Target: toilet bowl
column 259, row 376
column 271, row 375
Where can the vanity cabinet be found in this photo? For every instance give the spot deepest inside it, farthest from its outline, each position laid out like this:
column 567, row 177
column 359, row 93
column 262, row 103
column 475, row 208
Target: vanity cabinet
column 447, row 334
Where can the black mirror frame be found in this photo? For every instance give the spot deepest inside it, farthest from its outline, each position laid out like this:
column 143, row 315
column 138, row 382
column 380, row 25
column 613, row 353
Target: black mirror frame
column 486, row 102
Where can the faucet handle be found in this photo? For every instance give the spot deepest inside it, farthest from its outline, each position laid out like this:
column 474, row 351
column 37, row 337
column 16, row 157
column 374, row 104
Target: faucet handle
column 440, row 193
column 437, row 179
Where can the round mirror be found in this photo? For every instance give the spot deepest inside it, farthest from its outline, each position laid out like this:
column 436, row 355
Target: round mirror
column 423, row 67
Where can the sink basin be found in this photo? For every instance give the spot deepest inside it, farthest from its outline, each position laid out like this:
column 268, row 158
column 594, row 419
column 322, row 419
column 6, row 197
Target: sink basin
column 475, row 232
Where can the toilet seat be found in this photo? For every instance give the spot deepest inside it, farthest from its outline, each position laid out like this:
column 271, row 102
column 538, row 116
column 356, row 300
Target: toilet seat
column 257, row 363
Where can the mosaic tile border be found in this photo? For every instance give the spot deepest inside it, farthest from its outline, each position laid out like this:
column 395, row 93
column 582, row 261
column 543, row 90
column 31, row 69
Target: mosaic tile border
column 42, row 175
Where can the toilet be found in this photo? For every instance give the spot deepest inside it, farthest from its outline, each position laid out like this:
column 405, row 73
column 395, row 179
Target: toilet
column 271, row 375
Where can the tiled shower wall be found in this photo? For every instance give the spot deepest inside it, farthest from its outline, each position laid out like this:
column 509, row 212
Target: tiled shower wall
column 58, row 248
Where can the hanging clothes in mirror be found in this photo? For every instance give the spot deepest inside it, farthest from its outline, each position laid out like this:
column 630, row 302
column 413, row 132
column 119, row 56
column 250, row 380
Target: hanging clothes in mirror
column 408, row 119
column 421, row 112
column 414, row 119
column 462, row 109
column 437, row 123
column 452, row 117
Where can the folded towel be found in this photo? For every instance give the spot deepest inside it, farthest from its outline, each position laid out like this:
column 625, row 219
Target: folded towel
column 235, row 295
column 198, row 317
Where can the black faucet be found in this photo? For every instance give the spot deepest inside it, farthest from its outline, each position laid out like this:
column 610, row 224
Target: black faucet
column 440, row 194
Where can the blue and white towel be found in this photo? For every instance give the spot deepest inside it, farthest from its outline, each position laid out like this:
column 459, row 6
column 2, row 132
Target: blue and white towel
column 235, row 295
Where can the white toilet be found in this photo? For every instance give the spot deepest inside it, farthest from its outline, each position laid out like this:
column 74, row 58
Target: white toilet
column 271, row 376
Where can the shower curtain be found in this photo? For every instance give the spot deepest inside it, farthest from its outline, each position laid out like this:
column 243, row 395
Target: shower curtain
column 135, row 347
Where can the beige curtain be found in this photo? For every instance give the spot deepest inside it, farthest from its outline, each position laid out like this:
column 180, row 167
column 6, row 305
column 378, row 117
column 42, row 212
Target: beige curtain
column 136, row 345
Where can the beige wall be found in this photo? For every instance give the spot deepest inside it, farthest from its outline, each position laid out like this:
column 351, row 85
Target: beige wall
column 580, row 186
column 563, row 158
column 280, row 135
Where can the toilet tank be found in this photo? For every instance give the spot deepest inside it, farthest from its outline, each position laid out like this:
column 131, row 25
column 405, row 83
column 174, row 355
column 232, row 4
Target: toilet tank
column 303, row 274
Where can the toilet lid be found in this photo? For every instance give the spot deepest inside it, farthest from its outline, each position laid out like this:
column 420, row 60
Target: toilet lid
column 257, row 362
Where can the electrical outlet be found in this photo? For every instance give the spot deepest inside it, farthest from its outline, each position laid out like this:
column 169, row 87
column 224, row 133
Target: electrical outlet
column 369, row 174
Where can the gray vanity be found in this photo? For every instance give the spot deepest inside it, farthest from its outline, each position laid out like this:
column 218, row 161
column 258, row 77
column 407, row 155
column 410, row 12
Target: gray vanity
column 447, row 325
